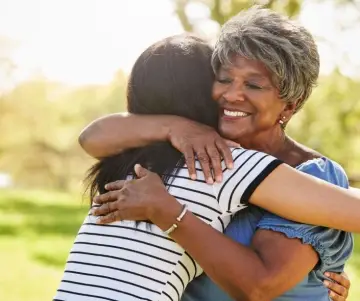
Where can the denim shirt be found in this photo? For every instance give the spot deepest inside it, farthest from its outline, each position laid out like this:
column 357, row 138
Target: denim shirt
column 333, row 247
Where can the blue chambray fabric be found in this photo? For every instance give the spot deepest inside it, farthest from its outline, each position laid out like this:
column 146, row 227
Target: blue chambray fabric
column 334, row 247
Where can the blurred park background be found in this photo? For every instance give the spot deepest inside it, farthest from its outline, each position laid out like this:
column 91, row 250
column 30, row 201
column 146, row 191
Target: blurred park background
column 64, row 63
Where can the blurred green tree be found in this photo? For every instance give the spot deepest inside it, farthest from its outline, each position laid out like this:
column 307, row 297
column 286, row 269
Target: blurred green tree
column 40, row 125
column 222, row 10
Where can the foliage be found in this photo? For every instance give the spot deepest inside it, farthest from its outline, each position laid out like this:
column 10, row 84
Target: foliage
column 40, row 122
column 329, row 122
column 222, row 10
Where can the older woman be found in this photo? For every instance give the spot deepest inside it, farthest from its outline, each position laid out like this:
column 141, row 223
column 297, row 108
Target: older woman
column 266, row 67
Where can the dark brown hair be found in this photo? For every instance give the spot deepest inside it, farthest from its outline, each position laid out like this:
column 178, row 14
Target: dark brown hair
column 174, row 77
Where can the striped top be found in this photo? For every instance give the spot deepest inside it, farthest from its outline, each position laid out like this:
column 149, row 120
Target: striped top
column 128, row 262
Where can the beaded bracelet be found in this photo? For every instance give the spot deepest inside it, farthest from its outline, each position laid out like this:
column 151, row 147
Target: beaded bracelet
column 179, row 218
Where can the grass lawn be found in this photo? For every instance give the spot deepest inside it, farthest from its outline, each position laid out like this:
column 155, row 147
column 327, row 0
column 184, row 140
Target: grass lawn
column 37, row 229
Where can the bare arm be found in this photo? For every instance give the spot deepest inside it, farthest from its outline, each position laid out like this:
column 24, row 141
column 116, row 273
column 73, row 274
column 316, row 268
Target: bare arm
column 300, row 197
column 257, row 273
column 113, row 133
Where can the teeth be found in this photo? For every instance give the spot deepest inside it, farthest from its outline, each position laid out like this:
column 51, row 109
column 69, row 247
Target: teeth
column 235, row 113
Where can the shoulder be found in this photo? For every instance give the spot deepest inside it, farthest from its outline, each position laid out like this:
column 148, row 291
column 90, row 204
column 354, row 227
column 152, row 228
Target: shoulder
column 332, row 246
column 242, row 156
column 325, row 169
column 250, row 169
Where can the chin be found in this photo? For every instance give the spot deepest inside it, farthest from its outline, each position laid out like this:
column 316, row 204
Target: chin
column 231, row 133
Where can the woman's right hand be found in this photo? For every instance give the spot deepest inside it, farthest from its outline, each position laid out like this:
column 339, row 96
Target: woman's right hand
column 192, row 138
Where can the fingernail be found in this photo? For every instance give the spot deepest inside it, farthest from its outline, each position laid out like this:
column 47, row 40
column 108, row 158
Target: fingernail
column 98, row 221
column 230, row 166
column 193, row 177
column 210, row 180
column 327, row 274
column 106, row 186
column 219, row 179
column 326, row 283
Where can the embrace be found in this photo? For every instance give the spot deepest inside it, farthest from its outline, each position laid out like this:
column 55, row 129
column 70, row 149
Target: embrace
column 199, row 194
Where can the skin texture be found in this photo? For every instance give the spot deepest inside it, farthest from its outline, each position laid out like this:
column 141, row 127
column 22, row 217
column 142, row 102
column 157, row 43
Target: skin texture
column 244, row 86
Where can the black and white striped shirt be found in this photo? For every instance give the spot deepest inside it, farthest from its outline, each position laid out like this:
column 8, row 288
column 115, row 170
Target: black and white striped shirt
column 122, row 261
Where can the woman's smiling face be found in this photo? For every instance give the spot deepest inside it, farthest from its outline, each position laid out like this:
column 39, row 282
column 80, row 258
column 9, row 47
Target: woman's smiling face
column 248, row 101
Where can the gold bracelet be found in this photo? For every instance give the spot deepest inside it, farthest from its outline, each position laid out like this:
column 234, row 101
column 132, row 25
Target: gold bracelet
column 179, row 219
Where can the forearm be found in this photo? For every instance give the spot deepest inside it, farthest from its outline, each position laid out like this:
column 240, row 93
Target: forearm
column 113, row 133
column 237, row 269
column 302, row 198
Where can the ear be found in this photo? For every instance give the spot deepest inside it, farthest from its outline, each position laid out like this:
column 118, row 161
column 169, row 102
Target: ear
column 288, row 111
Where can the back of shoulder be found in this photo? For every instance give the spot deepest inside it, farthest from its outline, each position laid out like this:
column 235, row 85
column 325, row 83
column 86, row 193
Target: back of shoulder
column 327, row 170
column 243, row 157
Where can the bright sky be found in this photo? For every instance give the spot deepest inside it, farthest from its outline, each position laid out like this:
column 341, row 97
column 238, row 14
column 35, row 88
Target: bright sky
column 87, row 41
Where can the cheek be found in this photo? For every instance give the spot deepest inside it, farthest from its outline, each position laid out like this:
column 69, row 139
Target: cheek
column 269, row 104
column 268, row 110
column 217, row 91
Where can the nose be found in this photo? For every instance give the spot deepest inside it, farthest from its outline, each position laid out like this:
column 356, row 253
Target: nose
column 234, row 93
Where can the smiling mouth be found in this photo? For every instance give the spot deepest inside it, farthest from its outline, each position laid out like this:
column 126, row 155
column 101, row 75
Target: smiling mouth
column 228, row 113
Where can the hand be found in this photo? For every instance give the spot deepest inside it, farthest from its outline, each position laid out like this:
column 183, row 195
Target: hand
column 339, row 289
column 191, row 138
column 142, row 199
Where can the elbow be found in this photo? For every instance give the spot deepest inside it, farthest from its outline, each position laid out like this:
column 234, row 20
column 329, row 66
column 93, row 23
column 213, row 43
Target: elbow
column 82, row 138
column 256, row 294
column 88, row 143
column 259, row 290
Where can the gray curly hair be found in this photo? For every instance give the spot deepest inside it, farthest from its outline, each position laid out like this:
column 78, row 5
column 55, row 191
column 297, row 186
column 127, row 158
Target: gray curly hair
column 285, row 47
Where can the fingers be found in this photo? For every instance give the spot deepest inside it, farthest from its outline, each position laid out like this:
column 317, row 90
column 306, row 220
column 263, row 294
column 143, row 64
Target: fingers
column 336, row 297
column 336, row 291
column 204, row 160
column 109, row 218
column 231, row 143
column 190, row 161
column 117, row 185
column 110, row 196
column 140, row 171
column 104, row 209
column 341, row 279
column 215, row 159
column 225, row 152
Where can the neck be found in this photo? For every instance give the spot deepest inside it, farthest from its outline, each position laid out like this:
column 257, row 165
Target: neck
column 272, row 142
column 276, row 143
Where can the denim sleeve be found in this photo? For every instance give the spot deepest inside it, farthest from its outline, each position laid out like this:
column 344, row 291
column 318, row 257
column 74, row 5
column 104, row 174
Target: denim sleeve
column 333, row 246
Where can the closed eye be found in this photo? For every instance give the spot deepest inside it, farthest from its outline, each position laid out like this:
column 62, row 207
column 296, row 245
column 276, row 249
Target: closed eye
column 223, row 80
column 253, row 86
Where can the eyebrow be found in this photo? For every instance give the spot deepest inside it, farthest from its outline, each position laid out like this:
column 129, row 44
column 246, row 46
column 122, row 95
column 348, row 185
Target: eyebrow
column 255, row 75
column 250, row 74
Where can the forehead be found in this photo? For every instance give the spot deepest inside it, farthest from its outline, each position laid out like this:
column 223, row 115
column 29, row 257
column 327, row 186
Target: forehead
column 247, row 67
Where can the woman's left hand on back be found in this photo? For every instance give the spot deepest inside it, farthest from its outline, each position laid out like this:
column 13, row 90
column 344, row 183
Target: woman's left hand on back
column 145, row 198
column 339, row 289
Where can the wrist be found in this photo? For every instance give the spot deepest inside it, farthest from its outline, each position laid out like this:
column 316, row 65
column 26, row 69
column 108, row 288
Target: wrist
column 171, row 123
column 164, row 215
